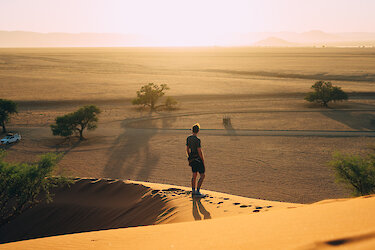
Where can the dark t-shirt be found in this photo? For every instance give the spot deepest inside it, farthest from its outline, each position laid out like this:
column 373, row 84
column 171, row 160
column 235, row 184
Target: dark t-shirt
column 193, row 143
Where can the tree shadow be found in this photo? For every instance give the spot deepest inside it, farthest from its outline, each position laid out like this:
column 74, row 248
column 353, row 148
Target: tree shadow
column 131, row 156
column 199, row 209
column 362, row 119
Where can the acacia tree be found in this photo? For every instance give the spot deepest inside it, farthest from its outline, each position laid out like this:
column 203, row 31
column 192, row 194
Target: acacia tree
column 76, row 122
column 149, row 95
column 325, row 92
column 7, row 108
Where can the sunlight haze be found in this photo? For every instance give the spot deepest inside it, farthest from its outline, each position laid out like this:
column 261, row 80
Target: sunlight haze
column 186, row 22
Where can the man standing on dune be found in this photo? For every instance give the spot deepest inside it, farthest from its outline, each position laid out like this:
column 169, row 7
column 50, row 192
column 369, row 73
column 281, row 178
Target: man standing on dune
column 196, row 160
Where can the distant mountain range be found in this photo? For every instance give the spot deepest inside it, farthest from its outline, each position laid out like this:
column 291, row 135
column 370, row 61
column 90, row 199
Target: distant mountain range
column 271, row 39
column 316, row 38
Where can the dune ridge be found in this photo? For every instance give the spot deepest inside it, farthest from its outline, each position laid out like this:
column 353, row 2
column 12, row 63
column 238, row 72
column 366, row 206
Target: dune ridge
column 334, row 223
column 88, row 205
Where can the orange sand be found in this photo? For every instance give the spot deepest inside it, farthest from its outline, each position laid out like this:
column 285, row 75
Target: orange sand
column 348, row 223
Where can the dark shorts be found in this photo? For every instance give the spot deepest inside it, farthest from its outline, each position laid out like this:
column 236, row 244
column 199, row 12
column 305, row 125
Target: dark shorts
column 197, row 166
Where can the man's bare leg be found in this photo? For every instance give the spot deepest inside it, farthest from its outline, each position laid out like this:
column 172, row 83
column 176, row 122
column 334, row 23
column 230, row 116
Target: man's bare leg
column 201, row 178
column 193, row 182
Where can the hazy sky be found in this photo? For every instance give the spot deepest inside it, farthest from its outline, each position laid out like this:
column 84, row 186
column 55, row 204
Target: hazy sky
column 194, row 17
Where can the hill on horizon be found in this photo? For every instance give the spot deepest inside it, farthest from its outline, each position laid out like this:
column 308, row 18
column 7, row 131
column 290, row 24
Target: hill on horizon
column 275, row 42
column 289, row 39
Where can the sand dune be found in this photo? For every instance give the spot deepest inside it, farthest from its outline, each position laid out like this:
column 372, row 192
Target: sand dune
column 347, row 223
column 87, row 205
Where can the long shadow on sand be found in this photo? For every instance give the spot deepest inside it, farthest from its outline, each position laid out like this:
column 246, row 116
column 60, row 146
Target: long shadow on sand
column 87, row 205
column 199, row 209
column 131, row 156
column 362, row 121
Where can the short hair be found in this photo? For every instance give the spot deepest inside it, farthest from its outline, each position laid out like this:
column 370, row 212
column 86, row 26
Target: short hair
column 196, row 128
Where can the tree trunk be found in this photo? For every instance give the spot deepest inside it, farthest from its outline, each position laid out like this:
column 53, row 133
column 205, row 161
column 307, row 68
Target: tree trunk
column 3, row 125
column 81, row 135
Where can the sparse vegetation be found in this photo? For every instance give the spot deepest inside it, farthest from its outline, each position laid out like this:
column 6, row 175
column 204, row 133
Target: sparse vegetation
column 7, row 108
column 325, row 92
column 149, row 95
column 227, row 121
column 355, row 171
column 24, row 185
column 76, row 122
column 170, row 103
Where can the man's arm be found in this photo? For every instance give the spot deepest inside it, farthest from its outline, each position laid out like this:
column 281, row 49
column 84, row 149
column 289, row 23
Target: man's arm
column 187, row 151
column 200, row 152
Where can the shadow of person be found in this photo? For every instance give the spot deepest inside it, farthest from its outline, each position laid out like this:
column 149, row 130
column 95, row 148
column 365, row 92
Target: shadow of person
column 199, row 209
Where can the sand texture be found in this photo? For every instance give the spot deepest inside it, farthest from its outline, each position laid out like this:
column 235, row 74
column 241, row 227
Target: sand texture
column 347, row 223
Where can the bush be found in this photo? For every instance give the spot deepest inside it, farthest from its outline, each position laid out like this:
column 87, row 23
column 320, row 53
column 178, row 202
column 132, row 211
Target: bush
column 325, row 92
column 24, row 185
column 170, row 103
column 7, row 108
column 149, row 95
column 355, row 171
column 85, row 117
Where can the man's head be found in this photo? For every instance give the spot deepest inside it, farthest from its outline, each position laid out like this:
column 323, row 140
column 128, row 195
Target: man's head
column 196, row 128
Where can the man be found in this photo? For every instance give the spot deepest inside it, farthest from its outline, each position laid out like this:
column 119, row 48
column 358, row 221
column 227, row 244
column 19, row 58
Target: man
column 196, row 160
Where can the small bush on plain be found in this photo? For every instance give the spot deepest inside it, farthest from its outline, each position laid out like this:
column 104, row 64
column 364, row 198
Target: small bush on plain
column 170, row 103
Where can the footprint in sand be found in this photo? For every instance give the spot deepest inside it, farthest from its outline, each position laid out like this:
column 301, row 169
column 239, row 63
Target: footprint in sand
column 243, row 206
column 269, row 206
column 154, row 191
column 258, row 207
column 220, row 202
column 256, row 211
column 226, row 199
column 236, row 203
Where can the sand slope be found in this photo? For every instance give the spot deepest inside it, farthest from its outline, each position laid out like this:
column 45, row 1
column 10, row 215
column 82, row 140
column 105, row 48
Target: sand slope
column 347, row 223
column 87, row 205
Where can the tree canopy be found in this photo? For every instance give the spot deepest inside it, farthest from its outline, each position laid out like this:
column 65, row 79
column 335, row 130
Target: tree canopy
column 325, row 92
column 7, row 108
column 84, row 118
column 149, row 95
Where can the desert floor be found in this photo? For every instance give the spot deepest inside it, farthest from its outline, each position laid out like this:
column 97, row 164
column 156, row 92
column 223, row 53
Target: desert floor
column 276, row 148
column 276, row 151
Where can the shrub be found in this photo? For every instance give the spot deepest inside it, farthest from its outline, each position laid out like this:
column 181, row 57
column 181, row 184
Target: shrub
column 170, row 103
column 24, row 185
column 149, row 95
column 84, row 118
column 325, row 92
column 7, row 108
column 355, row 171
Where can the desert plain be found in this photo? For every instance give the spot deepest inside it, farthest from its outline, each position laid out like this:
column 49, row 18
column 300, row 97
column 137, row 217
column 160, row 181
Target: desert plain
column 277, row 147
